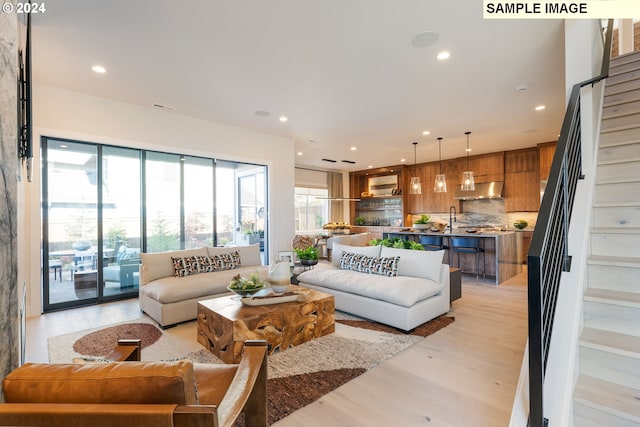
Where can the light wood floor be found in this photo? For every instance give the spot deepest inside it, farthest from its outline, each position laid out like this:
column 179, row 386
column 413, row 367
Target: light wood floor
column 464, row 375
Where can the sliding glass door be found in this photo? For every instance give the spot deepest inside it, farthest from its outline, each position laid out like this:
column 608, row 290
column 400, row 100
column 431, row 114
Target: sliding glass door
column 104, row 205
column 121, row 221
column 70, row 210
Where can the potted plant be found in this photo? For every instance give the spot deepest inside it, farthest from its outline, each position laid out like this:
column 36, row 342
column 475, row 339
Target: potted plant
column 422, row 222
column 307, row 256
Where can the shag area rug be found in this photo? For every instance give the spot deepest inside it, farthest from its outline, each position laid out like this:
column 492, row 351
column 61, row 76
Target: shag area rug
column 297, row 376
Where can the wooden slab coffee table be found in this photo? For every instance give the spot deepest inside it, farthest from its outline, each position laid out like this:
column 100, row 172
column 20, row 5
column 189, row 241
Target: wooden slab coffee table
column 224, row 323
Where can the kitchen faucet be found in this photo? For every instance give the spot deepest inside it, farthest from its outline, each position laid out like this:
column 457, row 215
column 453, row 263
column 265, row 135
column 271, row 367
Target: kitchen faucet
column 454, row 218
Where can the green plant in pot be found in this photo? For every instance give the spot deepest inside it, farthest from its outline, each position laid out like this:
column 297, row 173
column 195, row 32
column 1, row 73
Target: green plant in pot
column 422, row 222
column 308, row 255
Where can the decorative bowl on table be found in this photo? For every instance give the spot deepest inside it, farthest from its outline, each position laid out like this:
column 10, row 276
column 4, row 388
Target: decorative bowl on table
column 520, row 224
column 425, row 226
column 246, row 287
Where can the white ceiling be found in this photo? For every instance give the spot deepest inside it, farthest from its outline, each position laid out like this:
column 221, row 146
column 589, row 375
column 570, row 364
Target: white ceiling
column 343, row 71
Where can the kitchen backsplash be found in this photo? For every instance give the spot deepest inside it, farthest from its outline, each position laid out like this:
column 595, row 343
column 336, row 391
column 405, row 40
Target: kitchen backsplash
column 484, row 212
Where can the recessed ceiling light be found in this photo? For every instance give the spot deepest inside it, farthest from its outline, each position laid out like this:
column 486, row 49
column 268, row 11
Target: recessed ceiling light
column 424, row 39
column 403, row 160
column 66, row 146
column 370, row 166
column 468, row 150
column 299, row 153
column 283, row 119
column 443, row 55
column 540, row 107
column 353, row 148
column 262, row 113
column 426, row 132
column 99, row 69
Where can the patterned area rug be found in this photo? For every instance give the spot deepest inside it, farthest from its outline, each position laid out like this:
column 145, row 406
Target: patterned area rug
column 297, row 376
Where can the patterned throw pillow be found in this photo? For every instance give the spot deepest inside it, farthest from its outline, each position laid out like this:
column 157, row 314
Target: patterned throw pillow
column 228, row 261
column 384, row 266
column 208, row 264
column 185, row 266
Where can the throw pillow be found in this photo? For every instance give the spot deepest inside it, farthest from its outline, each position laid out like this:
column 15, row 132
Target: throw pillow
column 220, row 262
column 228, row 261
column 384, row 266
column 185, row 266
column 425, row 264
column 338, row 249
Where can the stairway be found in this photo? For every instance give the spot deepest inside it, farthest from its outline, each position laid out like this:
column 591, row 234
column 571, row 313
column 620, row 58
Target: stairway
column 607, row 392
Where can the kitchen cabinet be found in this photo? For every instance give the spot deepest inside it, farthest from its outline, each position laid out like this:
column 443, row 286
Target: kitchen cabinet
column 521, row 182
column 546, row 151
column 430, row 201
column 485, row 167
column 524, row 242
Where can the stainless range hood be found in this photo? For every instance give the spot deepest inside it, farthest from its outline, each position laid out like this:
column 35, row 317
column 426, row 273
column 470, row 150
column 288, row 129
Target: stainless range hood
column 484, row 190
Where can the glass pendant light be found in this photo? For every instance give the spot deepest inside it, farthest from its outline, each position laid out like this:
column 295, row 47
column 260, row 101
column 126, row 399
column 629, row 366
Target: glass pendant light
column 468, row 183
column 415, row 187
column 440, row 185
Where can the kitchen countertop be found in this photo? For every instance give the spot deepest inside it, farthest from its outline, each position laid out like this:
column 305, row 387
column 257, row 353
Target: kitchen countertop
column 456, row 233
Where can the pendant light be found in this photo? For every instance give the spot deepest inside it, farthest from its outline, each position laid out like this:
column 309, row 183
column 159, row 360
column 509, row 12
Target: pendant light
column 468, row 183
column 416, row 187
column 440, row 185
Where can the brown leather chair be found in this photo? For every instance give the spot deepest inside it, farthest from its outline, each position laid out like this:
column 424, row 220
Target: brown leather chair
column 158, row 394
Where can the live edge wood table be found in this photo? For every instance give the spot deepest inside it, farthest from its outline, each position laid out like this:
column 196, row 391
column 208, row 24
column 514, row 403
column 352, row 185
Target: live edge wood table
column 224, row 323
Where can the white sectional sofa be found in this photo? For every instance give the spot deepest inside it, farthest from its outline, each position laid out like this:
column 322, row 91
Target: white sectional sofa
column 169, row 299
column 418, row 293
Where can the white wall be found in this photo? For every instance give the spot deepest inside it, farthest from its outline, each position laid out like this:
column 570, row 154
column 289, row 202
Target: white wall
column 64, row 114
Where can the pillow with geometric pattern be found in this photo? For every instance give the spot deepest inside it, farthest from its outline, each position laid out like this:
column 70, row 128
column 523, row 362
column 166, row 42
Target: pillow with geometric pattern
column 185, row 266
column 384, row 266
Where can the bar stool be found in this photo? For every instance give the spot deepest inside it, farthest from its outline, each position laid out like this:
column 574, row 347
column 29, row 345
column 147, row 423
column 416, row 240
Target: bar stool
column 470, row 245
column 432, row 243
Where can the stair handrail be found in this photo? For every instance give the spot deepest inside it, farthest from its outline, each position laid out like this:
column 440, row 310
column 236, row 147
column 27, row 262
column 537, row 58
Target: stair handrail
column 548, row 254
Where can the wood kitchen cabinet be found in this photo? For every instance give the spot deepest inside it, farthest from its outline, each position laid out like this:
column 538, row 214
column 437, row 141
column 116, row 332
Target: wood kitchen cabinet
column 546, row 151
column 485, row 167
column 430, row 201
column 521, row 180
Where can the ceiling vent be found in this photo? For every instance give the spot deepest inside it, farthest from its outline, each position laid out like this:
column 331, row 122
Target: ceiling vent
column 349, row 161
column 329, row 160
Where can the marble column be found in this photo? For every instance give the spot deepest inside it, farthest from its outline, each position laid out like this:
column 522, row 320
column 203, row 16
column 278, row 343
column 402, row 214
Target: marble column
column 9, row 168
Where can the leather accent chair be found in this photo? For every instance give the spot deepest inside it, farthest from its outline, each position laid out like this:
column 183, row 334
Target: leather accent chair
column 141, row 394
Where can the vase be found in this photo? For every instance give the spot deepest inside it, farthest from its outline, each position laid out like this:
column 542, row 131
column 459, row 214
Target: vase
column 279, row 273
column 308, row 262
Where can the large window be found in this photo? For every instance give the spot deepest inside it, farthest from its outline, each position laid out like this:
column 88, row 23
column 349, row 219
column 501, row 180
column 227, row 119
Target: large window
column 162, row 201
column 312, row 209
column 198, row 200
column 103, row 205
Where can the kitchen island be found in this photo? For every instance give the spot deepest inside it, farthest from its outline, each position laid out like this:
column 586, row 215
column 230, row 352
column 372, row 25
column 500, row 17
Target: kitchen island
column 500, row 247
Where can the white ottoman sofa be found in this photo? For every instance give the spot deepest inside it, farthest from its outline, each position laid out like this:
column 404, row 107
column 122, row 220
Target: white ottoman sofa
column 169, row 299
column 419, row 292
